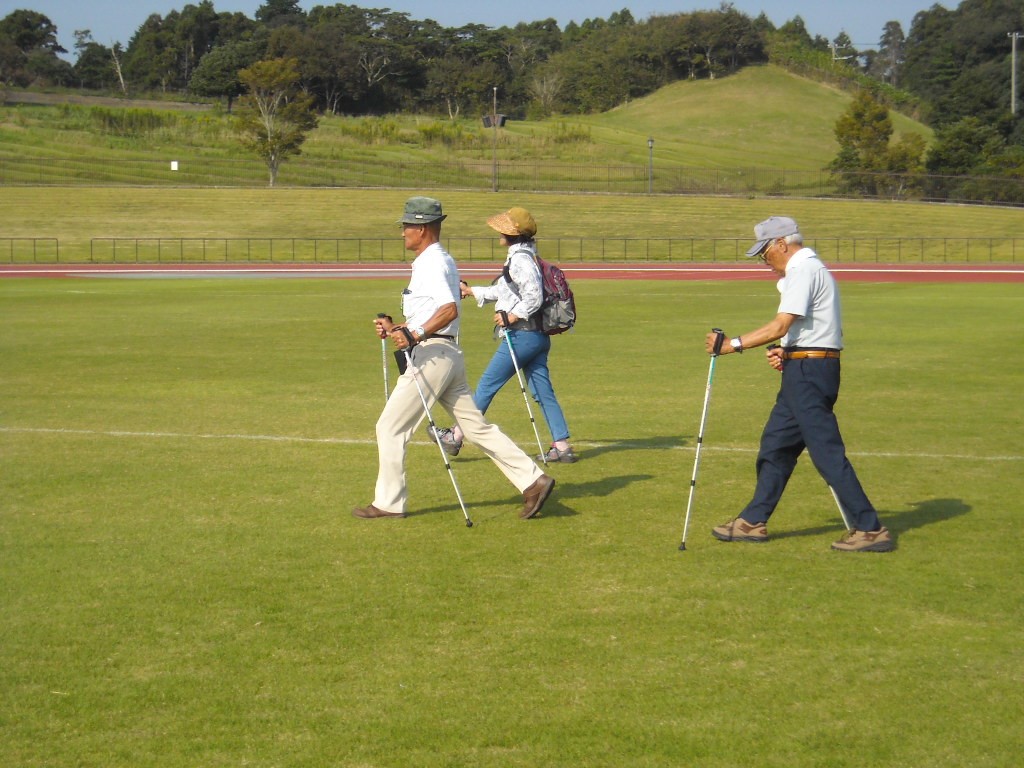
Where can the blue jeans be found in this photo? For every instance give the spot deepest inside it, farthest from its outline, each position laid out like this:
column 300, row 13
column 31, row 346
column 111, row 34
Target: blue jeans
column 531, row 348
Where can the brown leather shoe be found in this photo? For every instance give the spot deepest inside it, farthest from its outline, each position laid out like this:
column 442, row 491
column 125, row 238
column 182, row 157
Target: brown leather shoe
column 370, row 512
column 535, row 496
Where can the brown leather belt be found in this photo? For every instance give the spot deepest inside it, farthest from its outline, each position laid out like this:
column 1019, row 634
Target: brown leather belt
column 811, row 354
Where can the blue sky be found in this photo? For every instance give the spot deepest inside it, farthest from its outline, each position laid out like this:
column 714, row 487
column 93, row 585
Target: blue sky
column 116, row 20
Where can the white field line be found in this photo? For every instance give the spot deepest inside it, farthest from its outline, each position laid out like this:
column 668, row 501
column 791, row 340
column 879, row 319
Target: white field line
column 357, row 441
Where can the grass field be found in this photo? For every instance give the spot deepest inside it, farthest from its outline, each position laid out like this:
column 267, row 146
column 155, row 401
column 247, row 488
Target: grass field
column 183, row 584
column 73, row 216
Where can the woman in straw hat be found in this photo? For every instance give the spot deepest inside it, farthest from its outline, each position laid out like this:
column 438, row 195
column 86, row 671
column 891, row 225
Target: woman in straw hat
column 517, row 296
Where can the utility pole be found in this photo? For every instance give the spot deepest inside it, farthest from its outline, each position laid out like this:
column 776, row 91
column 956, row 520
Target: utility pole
column 1013, row 71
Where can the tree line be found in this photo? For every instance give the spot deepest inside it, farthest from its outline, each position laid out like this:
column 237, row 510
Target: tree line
column 951, row 71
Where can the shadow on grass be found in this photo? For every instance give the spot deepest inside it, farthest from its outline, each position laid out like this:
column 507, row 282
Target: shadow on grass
column 920, row 514
column 924, row 513
column 639, row 444
column 556, row 505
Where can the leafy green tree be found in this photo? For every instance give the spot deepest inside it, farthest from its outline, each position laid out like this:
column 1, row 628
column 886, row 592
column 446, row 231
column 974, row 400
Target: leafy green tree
column 218, row 71
column 276, row 115
column 545, row 88
column 29, row 48
column 151, row 58
column 888, row 62
column 93, row 66
column 958, row 60
column 458, row 83
column 236, row 27
column 597, row 71
column 970, row 160
column 330, row 66
column 195, row 33
column 44, row 67
column 12, row 61
column 31, row 31
column 276, row 13
column 963, row 147
column 470, row 62
column 795, row 31
column 528, row 44
column 863, row 133
column 905, row 165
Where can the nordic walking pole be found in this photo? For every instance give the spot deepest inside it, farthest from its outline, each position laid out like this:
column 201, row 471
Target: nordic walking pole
column 384, row 357
column 426, row 409
column 842, row 511
column 719, row 339
column 522, row 386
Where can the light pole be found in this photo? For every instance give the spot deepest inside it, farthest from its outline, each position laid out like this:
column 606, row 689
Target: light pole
column 494, row 154
column 1013, row 71
column 650, row 165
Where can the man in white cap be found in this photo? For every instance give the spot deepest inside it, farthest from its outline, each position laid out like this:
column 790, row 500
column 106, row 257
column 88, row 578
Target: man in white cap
column 431, row 308
column 809, row 325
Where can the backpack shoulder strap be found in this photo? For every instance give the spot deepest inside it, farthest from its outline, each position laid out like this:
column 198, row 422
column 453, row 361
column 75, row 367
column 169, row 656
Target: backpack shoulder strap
column 505, row 273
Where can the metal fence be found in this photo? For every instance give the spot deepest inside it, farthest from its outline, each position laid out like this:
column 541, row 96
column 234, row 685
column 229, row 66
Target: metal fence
column 296, row 250
column 484, row 174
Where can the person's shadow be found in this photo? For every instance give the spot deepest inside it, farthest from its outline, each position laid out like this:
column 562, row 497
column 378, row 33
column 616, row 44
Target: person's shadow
column 651, row 443
column 557, row 505
column 920, row 514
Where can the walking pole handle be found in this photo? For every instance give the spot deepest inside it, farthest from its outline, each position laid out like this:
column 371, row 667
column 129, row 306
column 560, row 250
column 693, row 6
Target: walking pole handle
column 719, row 340
column 504, row 317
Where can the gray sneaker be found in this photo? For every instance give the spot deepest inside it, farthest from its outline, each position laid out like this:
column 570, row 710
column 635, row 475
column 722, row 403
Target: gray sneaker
column 448, row 442
column 739, row 529
column 566, row 457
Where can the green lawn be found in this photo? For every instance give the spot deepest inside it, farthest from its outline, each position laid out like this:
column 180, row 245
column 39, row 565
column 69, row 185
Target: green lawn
column 183, row 584
column 74, row 216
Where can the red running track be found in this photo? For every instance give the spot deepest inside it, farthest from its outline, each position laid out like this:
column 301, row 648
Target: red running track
column 887, row 273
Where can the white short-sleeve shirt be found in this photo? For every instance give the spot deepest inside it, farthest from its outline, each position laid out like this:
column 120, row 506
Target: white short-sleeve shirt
column 434, row 283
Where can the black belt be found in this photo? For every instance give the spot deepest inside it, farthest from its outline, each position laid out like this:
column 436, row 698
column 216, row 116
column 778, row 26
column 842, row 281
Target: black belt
column 438, row 336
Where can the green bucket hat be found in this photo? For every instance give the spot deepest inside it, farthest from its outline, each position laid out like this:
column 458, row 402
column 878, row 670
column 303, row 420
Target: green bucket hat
column 422, row 210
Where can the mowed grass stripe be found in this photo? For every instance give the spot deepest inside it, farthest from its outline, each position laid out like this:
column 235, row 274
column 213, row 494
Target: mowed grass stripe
column 638, row 445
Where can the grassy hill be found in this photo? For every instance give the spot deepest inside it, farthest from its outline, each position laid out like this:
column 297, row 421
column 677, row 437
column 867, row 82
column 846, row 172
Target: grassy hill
column 762, row 117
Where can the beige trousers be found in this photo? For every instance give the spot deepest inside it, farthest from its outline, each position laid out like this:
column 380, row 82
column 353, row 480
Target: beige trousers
column 441, row 371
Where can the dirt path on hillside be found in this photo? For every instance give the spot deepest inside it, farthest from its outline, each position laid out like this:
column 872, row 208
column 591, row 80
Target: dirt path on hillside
column 49, row 99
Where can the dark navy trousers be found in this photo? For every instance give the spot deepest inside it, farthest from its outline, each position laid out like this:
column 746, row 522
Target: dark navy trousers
column 803, row 418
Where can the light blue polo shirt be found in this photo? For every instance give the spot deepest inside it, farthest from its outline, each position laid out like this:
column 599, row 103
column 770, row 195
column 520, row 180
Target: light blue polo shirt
column 809, row 291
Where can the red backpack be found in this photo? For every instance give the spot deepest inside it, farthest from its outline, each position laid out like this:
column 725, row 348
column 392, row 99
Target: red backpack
column 558, row 311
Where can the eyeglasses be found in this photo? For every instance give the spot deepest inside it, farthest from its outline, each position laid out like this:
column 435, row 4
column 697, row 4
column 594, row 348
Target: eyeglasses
column 763, row 255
